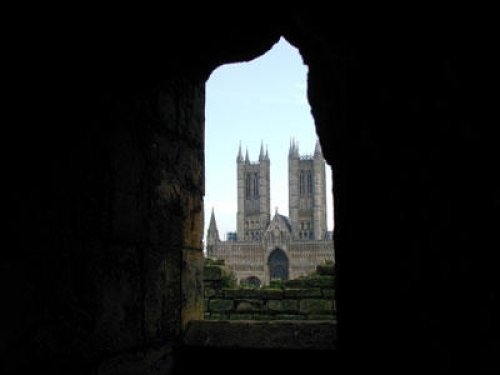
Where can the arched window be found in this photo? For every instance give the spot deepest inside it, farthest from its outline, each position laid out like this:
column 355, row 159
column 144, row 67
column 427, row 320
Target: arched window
column 309, row 183
column 247, row 186
column 301, row 183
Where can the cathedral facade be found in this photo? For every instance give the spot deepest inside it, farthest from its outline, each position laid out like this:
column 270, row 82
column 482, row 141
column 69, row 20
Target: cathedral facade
column 263, row 249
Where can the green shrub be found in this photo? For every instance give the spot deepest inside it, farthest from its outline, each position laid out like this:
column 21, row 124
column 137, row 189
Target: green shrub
column 229, row 280
column 244, row 284
column 276, row 284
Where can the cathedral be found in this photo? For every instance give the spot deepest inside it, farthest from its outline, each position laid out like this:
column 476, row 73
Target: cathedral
column 263, row 249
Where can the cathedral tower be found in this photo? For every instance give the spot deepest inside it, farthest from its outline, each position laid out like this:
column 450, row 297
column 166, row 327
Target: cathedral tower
column 212, row 234
column 307, row 194
column 254, row 196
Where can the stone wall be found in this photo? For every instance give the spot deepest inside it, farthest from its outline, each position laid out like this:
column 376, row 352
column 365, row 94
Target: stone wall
column 309, row 298
column 102, row 211
column 108, row 274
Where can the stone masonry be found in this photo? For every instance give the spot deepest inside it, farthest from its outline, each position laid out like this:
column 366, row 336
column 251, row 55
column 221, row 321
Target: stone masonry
column 308, row 298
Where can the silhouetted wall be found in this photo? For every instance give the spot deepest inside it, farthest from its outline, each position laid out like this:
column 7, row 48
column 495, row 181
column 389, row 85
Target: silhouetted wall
column 105, row 177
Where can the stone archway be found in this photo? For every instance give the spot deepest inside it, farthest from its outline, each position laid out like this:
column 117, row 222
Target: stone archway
column 278, row 265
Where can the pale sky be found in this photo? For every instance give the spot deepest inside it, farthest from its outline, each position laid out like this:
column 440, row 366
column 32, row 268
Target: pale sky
column 263, row 100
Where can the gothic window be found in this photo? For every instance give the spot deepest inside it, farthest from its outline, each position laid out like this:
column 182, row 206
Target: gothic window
column 256, row 185
column 309, row 183
column 301, row 183
column 305, row 183
column 247, row 186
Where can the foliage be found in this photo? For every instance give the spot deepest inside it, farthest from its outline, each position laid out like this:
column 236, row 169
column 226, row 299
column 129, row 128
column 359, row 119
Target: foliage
column 228, row 280
column 245, row 284
column 276, row 284
column 214, row 262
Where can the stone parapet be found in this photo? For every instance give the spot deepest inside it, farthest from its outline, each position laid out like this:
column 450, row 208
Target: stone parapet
column 309, row 298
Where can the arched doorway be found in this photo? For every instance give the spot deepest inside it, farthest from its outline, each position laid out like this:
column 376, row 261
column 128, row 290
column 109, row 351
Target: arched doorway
column 278, row 265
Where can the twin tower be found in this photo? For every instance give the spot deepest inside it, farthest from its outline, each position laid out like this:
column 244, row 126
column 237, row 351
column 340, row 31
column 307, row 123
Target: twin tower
column 306, row 195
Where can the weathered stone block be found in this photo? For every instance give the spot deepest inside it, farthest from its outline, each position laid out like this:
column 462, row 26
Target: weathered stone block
column 238, row 316
column 241, row 293
column 192, row 285
column 271, row 293
column 328, row 292
column 295, row 283
column 249, row 305
column 212, row 284
column 257, row 316
column 275, row 305
column 320, row 282
column 218, row 316
column 317, row 281
column 291, row 305
column 219, row 293
column 193, row 230
column 321, row 317
column 214, row 289
column 221, row 305
column 213, row 272
column 290, row 317
column 315, row 306
column 303, row 293
column 209, row 292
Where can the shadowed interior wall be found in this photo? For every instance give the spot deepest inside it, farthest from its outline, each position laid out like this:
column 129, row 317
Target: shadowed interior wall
column 405, row 122
column 116, row 202
column 105, row 176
